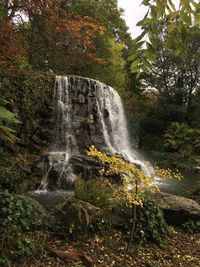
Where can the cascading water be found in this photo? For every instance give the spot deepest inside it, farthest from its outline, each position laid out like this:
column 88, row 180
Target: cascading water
column 60, row 152
column 115, row 127
column 88, row 112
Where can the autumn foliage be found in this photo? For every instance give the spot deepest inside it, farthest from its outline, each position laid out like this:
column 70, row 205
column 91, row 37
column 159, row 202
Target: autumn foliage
column 42, row 30
column 135, row 180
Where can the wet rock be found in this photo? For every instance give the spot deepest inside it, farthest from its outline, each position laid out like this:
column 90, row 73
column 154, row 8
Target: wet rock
column 23, row 186
column 197, row 169
column 60, row 176
column 81, row 99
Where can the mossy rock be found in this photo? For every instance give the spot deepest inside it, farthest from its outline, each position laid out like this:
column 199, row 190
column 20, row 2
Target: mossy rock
column 74, row 213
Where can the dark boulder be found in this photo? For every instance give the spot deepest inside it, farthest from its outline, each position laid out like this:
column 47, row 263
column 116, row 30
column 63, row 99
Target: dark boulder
column 178, row 210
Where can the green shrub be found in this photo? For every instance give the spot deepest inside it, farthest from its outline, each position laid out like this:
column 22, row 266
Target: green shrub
column 180, row 138
column 16, row 249
column 25, row 246
column 5, row 261
column 10, row 174
column 174, row 160
column 29, row 90
column 151, row 225
column 19, row 213
column 96, row 191
column 192, row 227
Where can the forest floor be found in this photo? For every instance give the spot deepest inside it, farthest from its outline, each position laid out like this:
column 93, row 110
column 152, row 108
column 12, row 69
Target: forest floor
column 110, row 250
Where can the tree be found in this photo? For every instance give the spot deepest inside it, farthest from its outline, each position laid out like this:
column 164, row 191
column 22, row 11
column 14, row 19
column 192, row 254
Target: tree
column 163, row 26
column 110, row 46
column 170, row 53
column 166, row 57
column 135, row 181
column 49, row 33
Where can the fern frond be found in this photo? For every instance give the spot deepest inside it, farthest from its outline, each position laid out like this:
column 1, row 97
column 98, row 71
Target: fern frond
column 8, row 116
column 7, row 134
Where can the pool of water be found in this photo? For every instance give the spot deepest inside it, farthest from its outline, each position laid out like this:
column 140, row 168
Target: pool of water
column 50, row 199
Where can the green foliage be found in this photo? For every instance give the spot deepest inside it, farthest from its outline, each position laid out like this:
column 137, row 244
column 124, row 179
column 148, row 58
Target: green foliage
column 192, row 227
column 16, row 248
column 22, row 64
column 162, row 19
column 25, row 246
column 5, row 262
column 151, row 225
column 7, row 118
column 182, row 139
column 155, row 122
column 19, row 213
column 95, row 191
column 97, row 225
column 10, row 173
column 173, row 160
column 110, row 47
column 28, row 91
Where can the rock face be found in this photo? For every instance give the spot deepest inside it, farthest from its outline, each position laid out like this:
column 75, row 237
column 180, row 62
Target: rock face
column 178, row 209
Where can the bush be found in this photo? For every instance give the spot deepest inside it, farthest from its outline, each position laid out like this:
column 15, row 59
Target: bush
column 97, row 192
column 16, row 249
column 151, row 225
column 28, row 90
column 180, row 138
column 11, row 174
column 19, row 213
column 192, row 227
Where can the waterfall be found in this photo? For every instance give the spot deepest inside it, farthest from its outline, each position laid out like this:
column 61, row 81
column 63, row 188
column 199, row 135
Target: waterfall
column 87, row 113
column 115, row 126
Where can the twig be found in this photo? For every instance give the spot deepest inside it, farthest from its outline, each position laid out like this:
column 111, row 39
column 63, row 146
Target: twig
column 73, row 255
